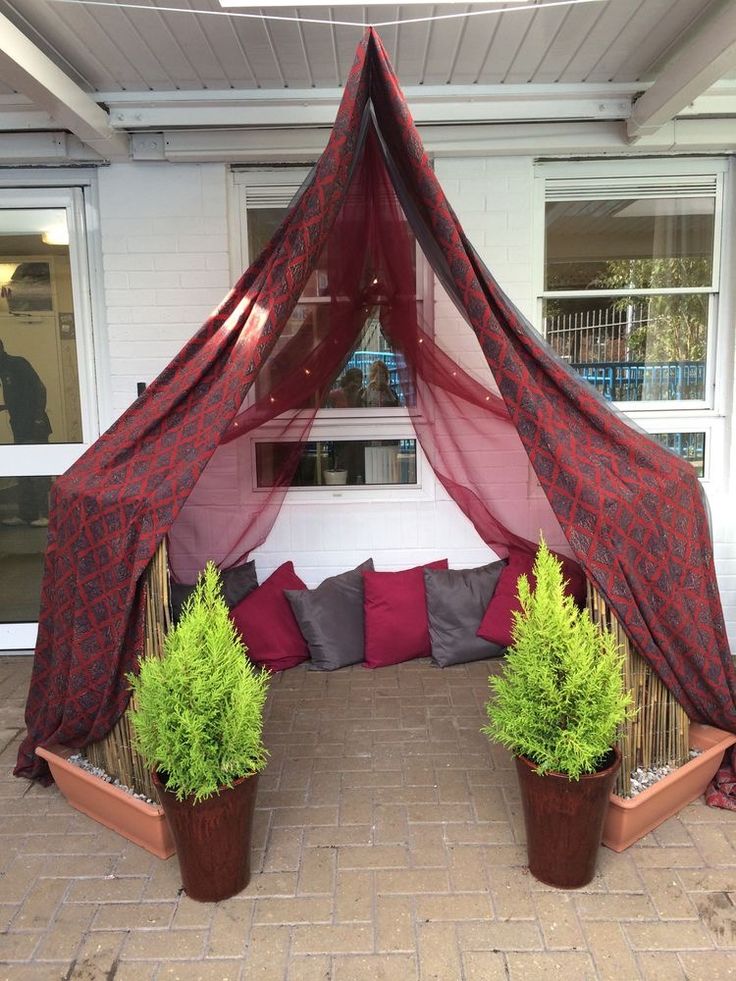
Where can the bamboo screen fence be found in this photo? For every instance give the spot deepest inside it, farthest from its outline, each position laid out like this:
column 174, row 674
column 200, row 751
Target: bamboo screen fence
column 115, row 753
column 659, row 733
column 657, row 736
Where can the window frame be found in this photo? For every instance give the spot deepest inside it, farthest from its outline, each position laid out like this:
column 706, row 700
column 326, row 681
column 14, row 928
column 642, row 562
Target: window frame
column 702, row 415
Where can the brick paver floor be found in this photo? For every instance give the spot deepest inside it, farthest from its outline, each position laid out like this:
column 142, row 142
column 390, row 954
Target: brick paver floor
column 389, row 845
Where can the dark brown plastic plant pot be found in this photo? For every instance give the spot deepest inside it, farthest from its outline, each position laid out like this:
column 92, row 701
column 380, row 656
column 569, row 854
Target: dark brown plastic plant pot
column 213, row 838
column 564, row 821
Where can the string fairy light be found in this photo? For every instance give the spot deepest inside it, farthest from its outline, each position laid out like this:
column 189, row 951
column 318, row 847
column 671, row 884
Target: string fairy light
column 542, row 5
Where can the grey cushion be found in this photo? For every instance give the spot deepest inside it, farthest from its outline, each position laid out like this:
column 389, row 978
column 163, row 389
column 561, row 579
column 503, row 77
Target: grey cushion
column 236, row 584
column 331, row 618
column 456, row 602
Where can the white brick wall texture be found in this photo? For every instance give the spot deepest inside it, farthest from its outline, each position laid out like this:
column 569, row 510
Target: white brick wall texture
column 166, row 262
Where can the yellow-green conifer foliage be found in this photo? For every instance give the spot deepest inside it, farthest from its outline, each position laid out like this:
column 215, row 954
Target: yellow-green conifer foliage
column 560, row 699
column 198, row 717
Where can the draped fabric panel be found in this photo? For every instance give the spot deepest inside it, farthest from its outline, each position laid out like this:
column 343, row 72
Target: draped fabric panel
column 631, row 512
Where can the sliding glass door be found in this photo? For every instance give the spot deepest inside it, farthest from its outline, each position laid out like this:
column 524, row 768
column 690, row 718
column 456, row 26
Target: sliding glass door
column 47, row 396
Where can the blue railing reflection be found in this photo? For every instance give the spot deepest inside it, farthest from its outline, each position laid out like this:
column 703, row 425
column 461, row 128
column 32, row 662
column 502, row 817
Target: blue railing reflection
column 630, row 382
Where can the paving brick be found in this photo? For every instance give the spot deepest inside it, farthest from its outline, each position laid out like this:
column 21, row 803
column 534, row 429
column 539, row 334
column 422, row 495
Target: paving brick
column 562, row 965
column 675, row 935
column 512, row 893
column 391, row 824
column 710, row 965
column 718, row 914
column 354, row 895
column 667, row 894
column 311, row 967
column 428, row 846
column 373, row 967
column 61, row 940
column 97, row 953
column 230, row 927
column 394, row 922
column 484, row 965
column 411, row 881
column 132, row 916
column 457, row 906
column 661, row 965
column 316, row 871
column 668, row 858
column 283, row 850
column 164, row 945
column 372, row 857
column 500, row 935
column 216, row 970
column 40, row 904
column 302, row 909
column 615, row 906
column 18, row 946
column 438, row 950
column 338, row 938
column 558, row 921
column 112, row 890
column 610, row 951
column 136, row 971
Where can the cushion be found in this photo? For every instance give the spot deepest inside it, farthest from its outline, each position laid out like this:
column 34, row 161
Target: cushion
column 396, row 615
column 236, row 584
column 330, row 618
column 498, row 620
column 456, row 602
column 267, row 625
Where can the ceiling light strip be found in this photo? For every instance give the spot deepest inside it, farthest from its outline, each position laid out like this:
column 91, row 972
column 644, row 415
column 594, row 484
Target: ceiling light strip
column 331, row 22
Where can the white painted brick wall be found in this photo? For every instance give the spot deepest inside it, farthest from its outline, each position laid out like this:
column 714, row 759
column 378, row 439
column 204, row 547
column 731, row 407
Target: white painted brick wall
column 166, row 264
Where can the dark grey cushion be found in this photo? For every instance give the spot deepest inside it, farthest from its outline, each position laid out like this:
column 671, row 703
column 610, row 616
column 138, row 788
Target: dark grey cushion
column 456, row 602
column 331, row 619
column 236, row 584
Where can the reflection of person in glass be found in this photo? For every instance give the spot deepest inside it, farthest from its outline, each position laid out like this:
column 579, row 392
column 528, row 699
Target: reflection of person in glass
column 378, row 391
column 24, row 399
column 349, row 393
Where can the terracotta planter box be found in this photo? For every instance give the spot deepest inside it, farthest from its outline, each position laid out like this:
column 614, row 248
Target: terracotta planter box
column 139, row 822
column 628, row 820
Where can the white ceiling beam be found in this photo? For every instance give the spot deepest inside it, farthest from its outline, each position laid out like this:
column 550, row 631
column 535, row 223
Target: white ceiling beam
column 304, row 144
column 708, row 55
column 27, row 70
column 22, row 149
column 317, row 107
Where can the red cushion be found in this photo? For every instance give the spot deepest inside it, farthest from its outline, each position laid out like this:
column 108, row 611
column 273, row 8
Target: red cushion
column 498, row 620
column 267, row 625
column 395, row 606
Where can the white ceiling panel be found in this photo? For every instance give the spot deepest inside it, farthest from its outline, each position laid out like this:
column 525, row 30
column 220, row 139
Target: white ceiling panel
column 544, row 29
column 114, row 48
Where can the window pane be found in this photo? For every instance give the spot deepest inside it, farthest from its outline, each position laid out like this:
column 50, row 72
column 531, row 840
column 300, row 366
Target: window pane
column 340, row 462
column 634, row 349
column 24, row 512
column 38, row 357
column 690, row 446
column 646, row 243
column 373, row 377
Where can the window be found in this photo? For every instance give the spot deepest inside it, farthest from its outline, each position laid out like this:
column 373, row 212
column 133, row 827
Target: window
column 630, row 283
column 365, row 436
column 690, row 446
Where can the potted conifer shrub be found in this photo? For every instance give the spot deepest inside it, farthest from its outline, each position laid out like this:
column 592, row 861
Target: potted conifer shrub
column 197, row 716
column 557, row 707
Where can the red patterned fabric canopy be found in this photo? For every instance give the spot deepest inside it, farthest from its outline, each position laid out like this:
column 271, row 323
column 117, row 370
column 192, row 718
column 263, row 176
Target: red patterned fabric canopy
column 632, row 513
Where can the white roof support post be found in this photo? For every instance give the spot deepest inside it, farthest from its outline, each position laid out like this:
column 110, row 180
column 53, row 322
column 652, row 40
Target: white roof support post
column 703, row 60
column 28, row 70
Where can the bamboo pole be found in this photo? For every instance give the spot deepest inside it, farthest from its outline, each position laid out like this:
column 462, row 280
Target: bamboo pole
column 658, row 735
column 115, row 753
